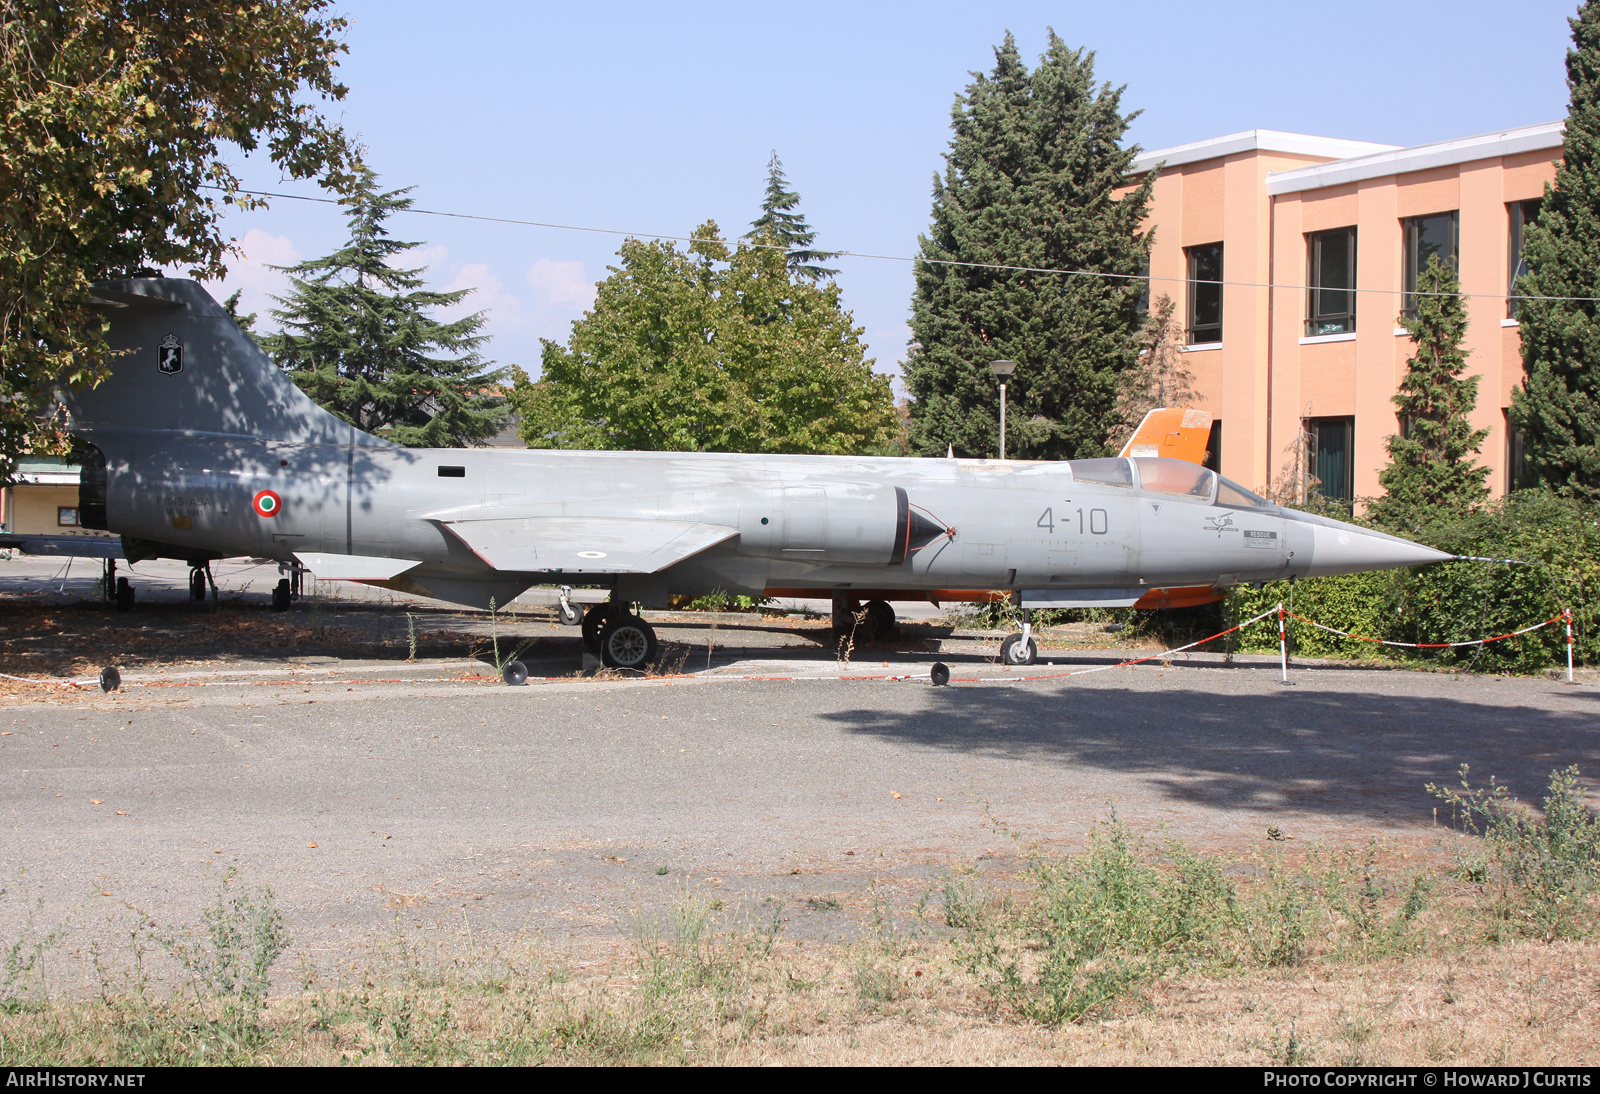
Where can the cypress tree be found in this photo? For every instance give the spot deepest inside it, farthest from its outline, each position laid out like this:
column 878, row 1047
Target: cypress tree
column 357, row 338
column 1430, row 460
column 1557, row 408
column 780, row 220
column 1031, row 179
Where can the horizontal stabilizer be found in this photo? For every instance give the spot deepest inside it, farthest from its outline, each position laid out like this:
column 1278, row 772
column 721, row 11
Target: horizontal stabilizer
column 354, row 567
column 592, row 545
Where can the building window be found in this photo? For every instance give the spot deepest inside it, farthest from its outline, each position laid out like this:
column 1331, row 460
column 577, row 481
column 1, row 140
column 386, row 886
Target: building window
column 1516, row 460
column 1522, row 213
column 1332, row 457
column 66, row 516
column 1332, row 306
column 1424, row 238
column 1205, row 293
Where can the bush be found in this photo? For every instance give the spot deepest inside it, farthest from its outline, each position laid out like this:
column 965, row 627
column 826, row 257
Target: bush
column 1547, row 868
column 1092, row 929
column 1558, row 538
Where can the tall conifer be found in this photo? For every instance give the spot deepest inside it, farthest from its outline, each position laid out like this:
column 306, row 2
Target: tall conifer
column 357, row 338
column 1430, row 460
column 1557, row 408
column 779, row 218
column 1031, row 179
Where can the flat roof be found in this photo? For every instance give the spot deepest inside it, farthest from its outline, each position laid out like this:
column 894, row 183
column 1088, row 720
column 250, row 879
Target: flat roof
column 1395, row 161
column 1256, row 140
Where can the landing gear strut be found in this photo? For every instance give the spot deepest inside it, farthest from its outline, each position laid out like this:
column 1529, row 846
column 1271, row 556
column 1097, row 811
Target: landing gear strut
column 1020, row 648
column 200, row 580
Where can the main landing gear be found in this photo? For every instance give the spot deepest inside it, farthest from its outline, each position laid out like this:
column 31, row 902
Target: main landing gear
column 619, row 638
column 200, row 582
column 869, row 622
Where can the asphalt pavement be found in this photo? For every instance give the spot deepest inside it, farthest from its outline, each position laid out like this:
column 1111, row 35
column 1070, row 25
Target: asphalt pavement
column 380, row 795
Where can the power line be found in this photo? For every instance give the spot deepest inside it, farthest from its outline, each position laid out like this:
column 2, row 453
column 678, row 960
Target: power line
column 901, row 258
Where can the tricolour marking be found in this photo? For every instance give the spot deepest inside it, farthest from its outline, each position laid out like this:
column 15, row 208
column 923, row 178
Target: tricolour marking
column 266, row 503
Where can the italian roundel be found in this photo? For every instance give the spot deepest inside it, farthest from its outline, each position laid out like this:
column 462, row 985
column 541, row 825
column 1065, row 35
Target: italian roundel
column 267, row 503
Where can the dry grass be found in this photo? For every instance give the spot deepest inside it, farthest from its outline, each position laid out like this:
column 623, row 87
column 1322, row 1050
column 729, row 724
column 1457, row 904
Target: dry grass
column 1143, row 955
column 1524, row 1004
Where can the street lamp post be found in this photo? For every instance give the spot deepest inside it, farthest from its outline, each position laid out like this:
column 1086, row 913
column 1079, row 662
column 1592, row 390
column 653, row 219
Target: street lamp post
column 1002, row 371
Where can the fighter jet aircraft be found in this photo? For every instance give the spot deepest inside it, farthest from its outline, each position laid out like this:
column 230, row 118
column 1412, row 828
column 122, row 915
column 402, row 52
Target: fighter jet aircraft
column 201, row 448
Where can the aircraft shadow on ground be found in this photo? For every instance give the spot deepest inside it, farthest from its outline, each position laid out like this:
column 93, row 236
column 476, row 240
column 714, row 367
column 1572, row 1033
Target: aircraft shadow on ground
column 1345, row 752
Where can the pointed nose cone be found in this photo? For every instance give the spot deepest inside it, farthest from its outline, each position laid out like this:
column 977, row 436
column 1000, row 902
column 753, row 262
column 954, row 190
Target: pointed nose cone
column 1340, row 548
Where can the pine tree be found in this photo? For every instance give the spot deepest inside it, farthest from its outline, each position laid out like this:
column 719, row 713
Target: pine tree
column 358, row 339
column 1159, row 376
column 779, row 219
column 1031, row 179
column 1430, row 460
column 1557, row 408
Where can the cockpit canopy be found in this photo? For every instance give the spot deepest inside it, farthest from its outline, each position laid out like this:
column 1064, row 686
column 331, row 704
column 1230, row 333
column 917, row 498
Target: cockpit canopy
column 1155, row 475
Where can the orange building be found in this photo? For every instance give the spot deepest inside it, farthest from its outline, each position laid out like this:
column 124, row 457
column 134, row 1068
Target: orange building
column 1311, row 244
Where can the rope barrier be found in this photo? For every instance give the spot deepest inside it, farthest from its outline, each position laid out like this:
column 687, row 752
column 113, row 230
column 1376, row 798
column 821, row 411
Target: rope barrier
column 1565, row 613
column 1279, row 610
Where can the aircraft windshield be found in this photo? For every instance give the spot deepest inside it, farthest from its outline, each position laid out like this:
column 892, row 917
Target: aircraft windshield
column 1235, row 496
column 1175, row 477
column 1112, row 472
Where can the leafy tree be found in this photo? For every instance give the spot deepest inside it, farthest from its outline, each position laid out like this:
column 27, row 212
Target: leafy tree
column 358, row 339
column 1557, row 408
column 1430, row 459
column 712, row 351
column 1159, row 376
column 779, row 219
column 114, row 115
column 1031, row 180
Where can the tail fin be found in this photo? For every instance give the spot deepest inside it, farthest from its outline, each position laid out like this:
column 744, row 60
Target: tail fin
column 1173, row 432
column 187, row 367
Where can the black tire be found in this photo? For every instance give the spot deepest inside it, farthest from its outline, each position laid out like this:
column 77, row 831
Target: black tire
column 880, row 618
column 515, row 673
column 593, row 620
column 1014, row 651
column 280, row 596
column 124, row 595
column 197, row 584
column 939, row 674
column 628, row 642
column 110, row 679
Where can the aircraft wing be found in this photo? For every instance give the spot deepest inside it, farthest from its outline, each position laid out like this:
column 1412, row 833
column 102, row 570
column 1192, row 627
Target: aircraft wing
column 596, row 545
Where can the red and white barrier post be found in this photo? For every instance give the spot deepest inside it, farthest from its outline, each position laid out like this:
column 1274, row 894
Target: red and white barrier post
column 1568, row 614
column 1283, row 642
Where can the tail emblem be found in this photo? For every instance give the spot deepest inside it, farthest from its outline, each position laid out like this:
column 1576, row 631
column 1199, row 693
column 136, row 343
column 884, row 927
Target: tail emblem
column 266, row 503
column 170, row 361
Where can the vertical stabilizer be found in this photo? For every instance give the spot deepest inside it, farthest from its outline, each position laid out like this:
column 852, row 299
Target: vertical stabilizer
column 186, row 367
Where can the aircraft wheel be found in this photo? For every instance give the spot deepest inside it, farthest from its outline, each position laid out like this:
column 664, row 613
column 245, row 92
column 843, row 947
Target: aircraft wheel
column 280, row 595
column 124, row 595
column 628, row 642
column 593, row 620
column 1015, row 651
column 880, row 618
column 197, row 584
